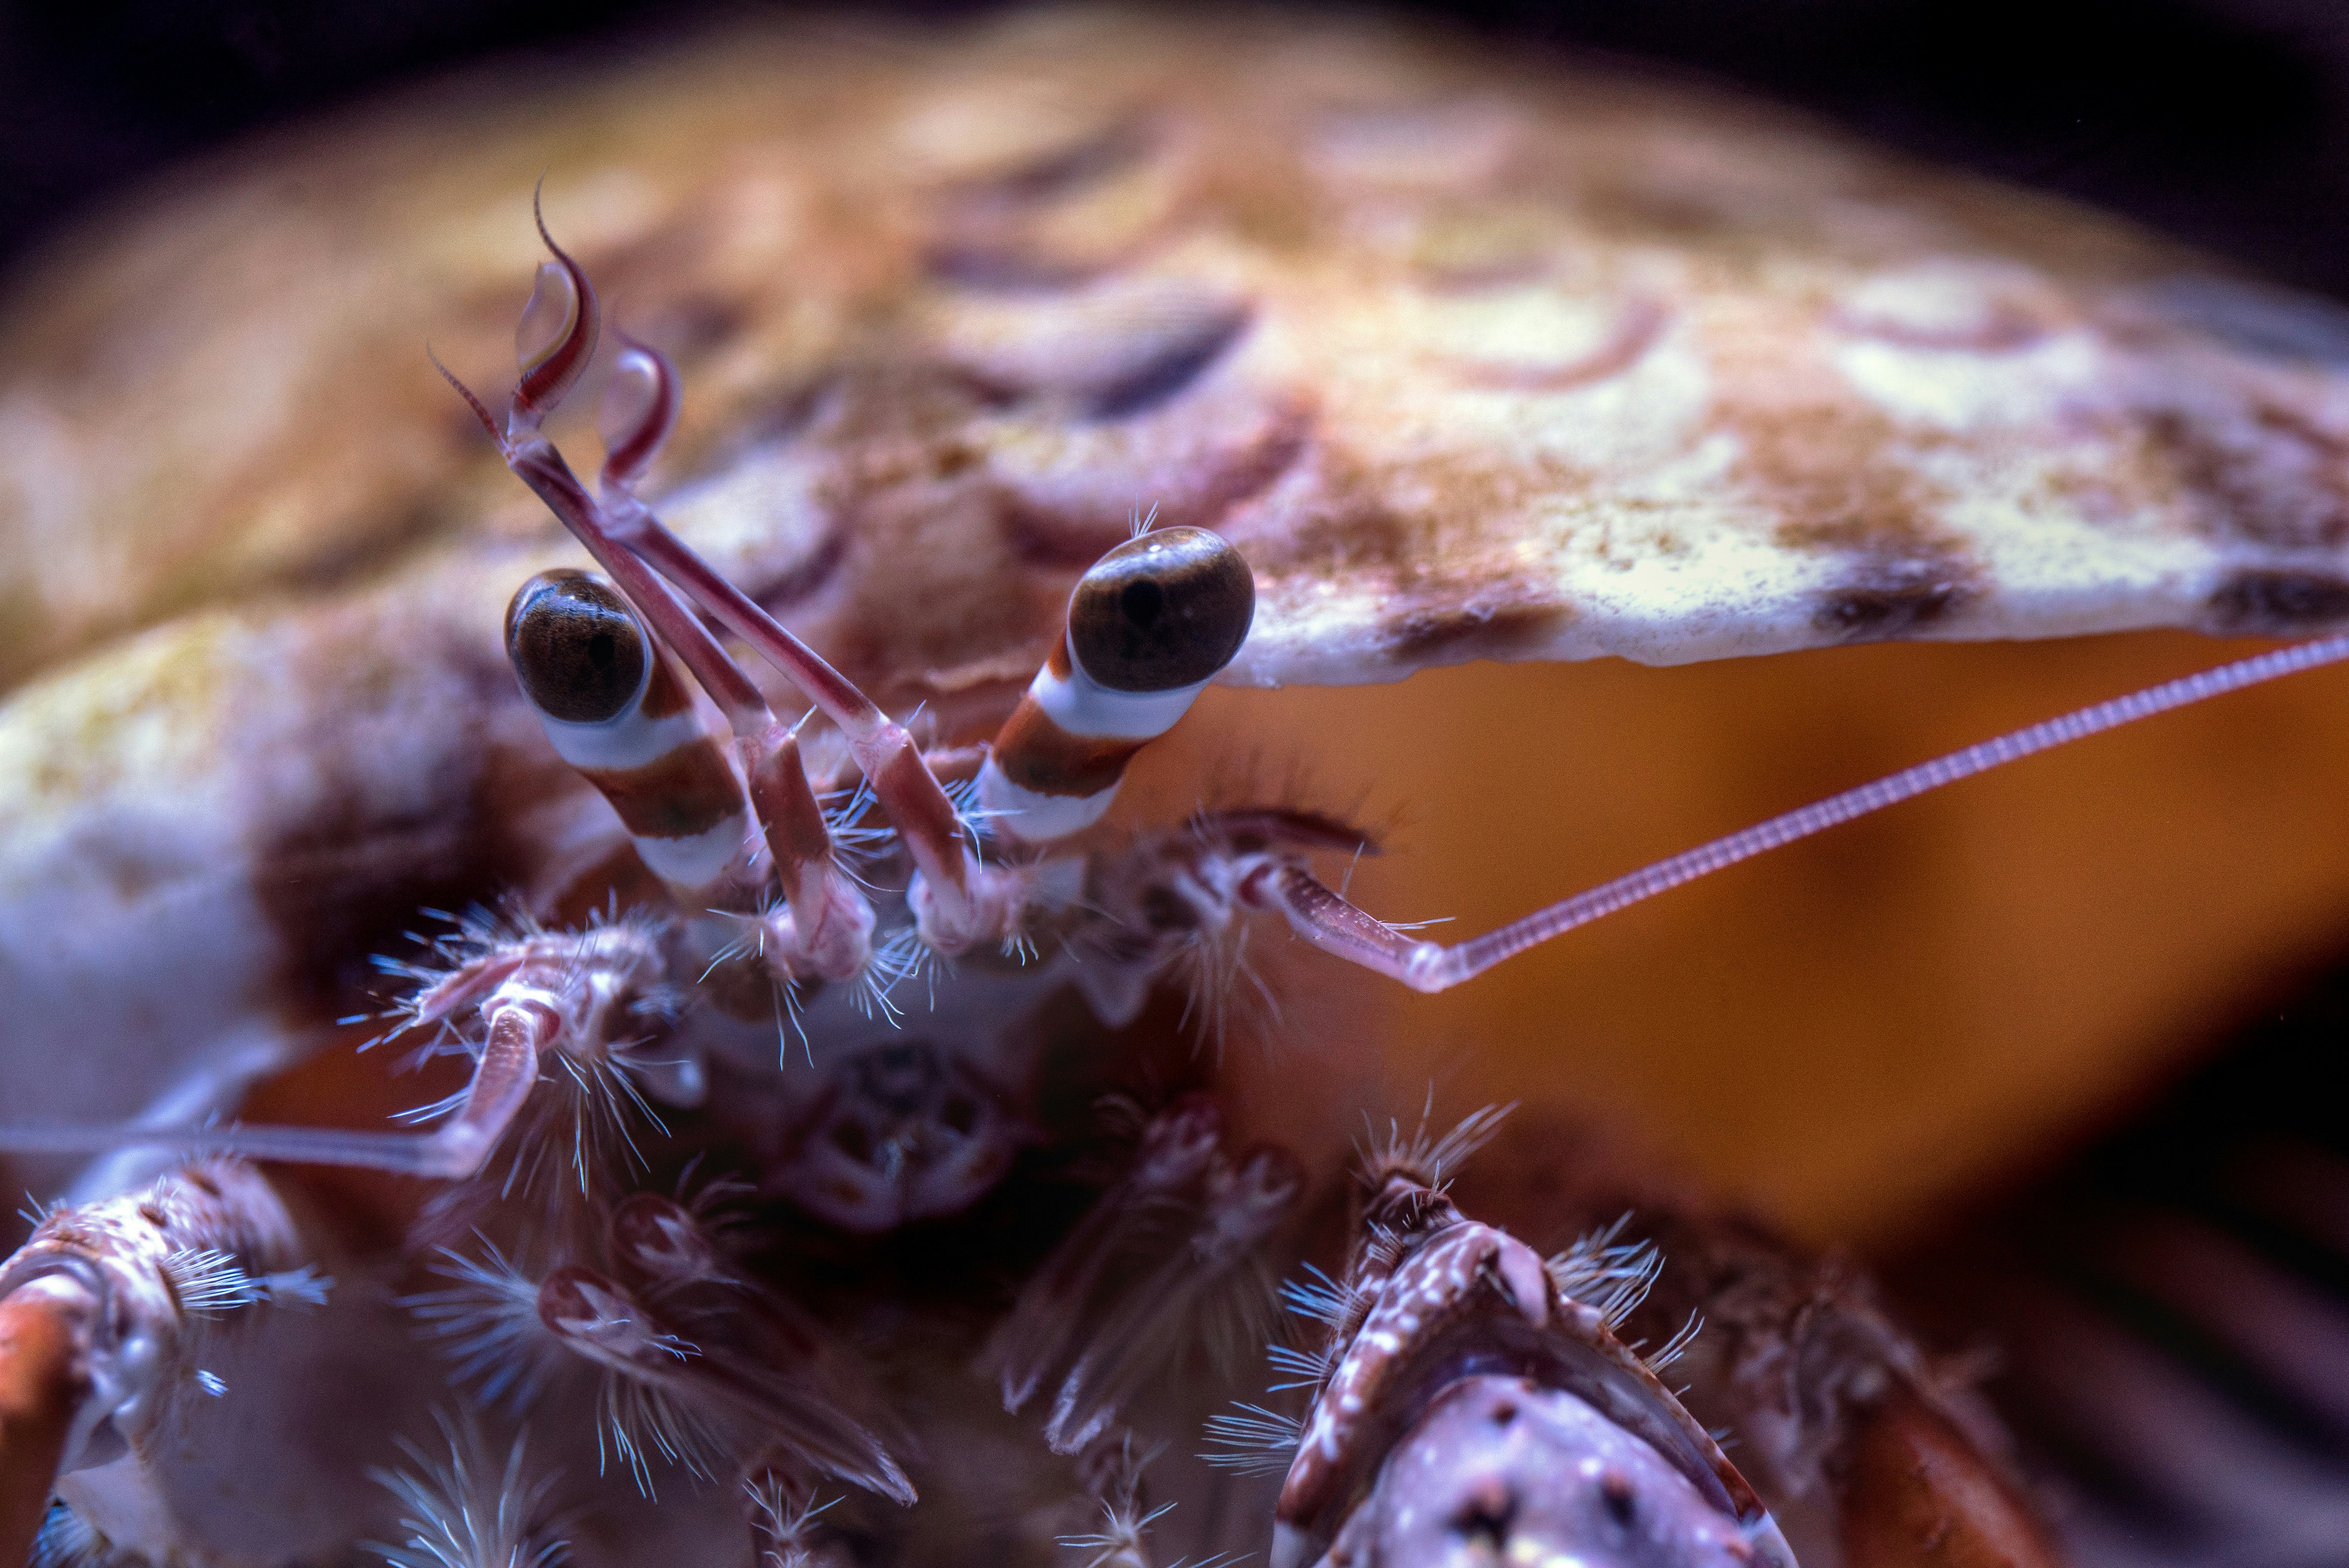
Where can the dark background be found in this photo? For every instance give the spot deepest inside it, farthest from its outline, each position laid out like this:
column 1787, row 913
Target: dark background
column 2225, row 122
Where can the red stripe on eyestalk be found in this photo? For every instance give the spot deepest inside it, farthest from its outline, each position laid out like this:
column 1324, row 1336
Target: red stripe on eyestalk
column 1149, row 625
column 1035, row 753
column 683, row 794
column 616, row 709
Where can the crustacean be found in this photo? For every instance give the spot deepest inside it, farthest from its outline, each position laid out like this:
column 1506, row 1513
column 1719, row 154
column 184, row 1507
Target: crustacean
column 996, row 1250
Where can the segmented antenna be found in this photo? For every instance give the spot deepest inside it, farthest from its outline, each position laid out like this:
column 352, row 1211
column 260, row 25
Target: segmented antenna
column 1433, row 967
column 1326, row 919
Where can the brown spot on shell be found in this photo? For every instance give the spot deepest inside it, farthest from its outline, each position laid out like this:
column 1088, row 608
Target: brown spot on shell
column 1111, row 351
column 1839, row 475
column 1060, row 216
column 1894, row 599
column 1192, row 466
column 2284, row 603
column 1178, row 363
column 2275, row 477
column 1473, row 632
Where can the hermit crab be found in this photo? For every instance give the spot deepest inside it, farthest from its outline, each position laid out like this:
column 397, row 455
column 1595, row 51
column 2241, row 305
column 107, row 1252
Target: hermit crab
column 853, row 1094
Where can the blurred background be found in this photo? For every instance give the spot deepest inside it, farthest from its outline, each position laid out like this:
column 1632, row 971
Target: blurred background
column 2225, row 122
column 2163, row 1274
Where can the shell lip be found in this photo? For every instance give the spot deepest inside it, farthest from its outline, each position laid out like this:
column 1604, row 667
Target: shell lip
column 1569, row 1350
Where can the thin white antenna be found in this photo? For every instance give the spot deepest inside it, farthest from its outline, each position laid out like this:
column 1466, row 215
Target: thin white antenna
column 1328, row 921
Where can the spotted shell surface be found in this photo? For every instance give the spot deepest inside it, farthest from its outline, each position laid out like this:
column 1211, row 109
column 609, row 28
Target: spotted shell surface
column 1471, row 358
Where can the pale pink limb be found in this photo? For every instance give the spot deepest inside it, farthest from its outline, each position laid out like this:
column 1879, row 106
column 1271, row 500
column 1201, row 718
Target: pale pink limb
column 1062, row 1308
column 1329, row 921
column 1210, row 1274
column 502, row 1079
column 825, row 930
column 966, row 911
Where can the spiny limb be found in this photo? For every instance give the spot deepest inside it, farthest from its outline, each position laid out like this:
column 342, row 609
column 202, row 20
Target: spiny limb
column 469, row 1508
column 1215, row 1279
column 826, row 932
column 1060, row 1308
column 502, row 1080
column 1169, row 1249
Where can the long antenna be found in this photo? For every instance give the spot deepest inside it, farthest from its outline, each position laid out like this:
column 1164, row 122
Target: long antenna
column 1477, row 954
column 1330, row 922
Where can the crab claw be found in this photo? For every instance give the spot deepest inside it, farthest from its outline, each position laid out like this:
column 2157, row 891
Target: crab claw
column 639, row 412
column 555, row 338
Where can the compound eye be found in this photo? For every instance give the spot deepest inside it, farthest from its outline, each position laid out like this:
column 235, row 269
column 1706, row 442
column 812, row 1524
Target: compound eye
column 1165, row 610
column 576, row 647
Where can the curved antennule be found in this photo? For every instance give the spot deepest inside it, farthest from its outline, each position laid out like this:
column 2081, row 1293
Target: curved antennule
column 555, row 337
column 1323, row 918
column 615, row 711
column 1150, row 624
column 639, row 410
column 961, row 903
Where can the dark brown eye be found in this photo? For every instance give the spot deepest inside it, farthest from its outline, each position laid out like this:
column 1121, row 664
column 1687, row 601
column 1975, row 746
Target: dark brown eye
column 576, row 647
column 1166, row 610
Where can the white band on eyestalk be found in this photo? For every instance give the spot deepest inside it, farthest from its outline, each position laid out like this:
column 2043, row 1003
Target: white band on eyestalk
column 1058, row 759
column 1036, row 818
column 699, row 860
column 1082, row 705
column 653, row 769
column 631, row 740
